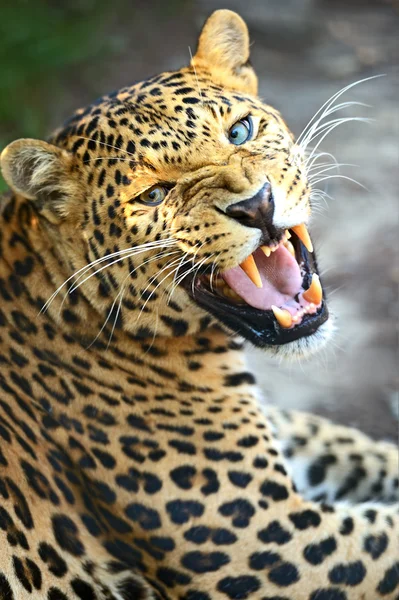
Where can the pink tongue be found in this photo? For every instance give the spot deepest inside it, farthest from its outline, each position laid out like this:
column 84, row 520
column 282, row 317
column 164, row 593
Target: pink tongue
column 281, row 278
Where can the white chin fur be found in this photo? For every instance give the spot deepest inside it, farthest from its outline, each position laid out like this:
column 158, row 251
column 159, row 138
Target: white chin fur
column 306, row 346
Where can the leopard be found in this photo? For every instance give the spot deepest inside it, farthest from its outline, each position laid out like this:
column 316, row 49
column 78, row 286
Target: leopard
column 142, row 245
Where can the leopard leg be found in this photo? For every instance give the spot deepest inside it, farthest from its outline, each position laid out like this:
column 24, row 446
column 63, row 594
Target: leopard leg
column 330, row 462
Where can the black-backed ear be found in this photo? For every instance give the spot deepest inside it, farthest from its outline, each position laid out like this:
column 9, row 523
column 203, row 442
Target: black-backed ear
column 223, row 48
column 40, row 172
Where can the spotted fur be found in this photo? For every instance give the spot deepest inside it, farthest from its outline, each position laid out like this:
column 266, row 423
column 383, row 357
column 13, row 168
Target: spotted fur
column 135, row 461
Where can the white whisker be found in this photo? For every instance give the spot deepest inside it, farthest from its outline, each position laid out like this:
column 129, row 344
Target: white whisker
column 329, row 169
column 178, row 279
column 337, row 176
column 321, row 165
column 97, row 158
column 83, row 270
column 182, row 263
column 333, row 98
column 152, row 279
column 214, row 266
column 310, row 134
column 325, row 131
column 203, row 261
column 335, row 290
column 76, row 286
column 316, row 157
column 191, row 259
column 117, row 315
column 151, row 259
column 106, row 145
column 195, row 73
column 329, row 130
column 105, row 323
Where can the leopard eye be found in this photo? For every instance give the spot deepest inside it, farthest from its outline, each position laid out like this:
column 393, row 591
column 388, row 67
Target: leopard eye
column 153, row 196
column 241, row 131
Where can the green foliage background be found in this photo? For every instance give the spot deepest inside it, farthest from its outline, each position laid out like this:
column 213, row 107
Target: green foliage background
column 51, row 49
column 39, row 43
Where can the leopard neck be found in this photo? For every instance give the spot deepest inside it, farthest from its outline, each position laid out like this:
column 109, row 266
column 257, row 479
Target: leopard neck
column 33, row 266
column 31, row 269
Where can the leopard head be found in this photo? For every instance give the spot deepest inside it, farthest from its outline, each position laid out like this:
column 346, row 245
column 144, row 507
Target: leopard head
column 181, row 201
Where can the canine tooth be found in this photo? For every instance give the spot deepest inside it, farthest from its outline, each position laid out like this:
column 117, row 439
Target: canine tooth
column 315, row 293
column 266, row 250
column 304, row 236
column 249, row 267
column 287, row 234
column 283, row 316
column 290, row 248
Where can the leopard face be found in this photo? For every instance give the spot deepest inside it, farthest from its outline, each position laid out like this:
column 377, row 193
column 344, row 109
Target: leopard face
column 186, row 196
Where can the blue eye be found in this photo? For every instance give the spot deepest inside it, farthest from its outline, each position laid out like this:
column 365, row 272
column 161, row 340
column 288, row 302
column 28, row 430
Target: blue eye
column 241, row 131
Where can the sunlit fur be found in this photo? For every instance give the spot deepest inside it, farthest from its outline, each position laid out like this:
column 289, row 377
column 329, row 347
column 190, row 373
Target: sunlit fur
column 136, row 461
column 171, row 129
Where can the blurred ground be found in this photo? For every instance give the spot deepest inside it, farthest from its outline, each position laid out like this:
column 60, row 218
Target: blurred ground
column 55, row 57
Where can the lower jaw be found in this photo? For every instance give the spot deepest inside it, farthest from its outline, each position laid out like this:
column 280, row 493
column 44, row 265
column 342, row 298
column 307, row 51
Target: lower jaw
column 257, row 326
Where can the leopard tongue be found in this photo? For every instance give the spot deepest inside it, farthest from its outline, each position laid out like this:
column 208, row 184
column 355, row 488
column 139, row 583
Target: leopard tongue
column 280, row 276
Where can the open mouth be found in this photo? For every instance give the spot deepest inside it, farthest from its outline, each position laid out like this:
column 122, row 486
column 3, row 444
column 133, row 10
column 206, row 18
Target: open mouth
column 273, row 297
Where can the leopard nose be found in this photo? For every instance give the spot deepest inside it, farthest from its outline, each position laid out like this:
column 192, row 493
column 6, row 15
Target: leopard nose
column 256, row 211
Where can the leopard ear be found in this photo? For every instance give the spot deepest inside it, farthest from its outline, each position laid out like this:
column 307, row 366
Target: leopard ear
column 223, row 48
column 40, row 172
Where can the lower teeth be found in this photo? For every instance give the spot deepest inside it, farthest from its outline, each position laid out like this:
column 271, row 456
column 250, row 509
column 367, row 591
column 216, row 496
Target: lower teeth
column 224, row 290
column 289, row 247
column 231, row 294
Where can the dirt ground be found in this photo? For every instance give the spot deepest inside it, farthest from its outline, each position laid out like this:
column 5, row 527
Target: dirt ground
column 304, row 51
